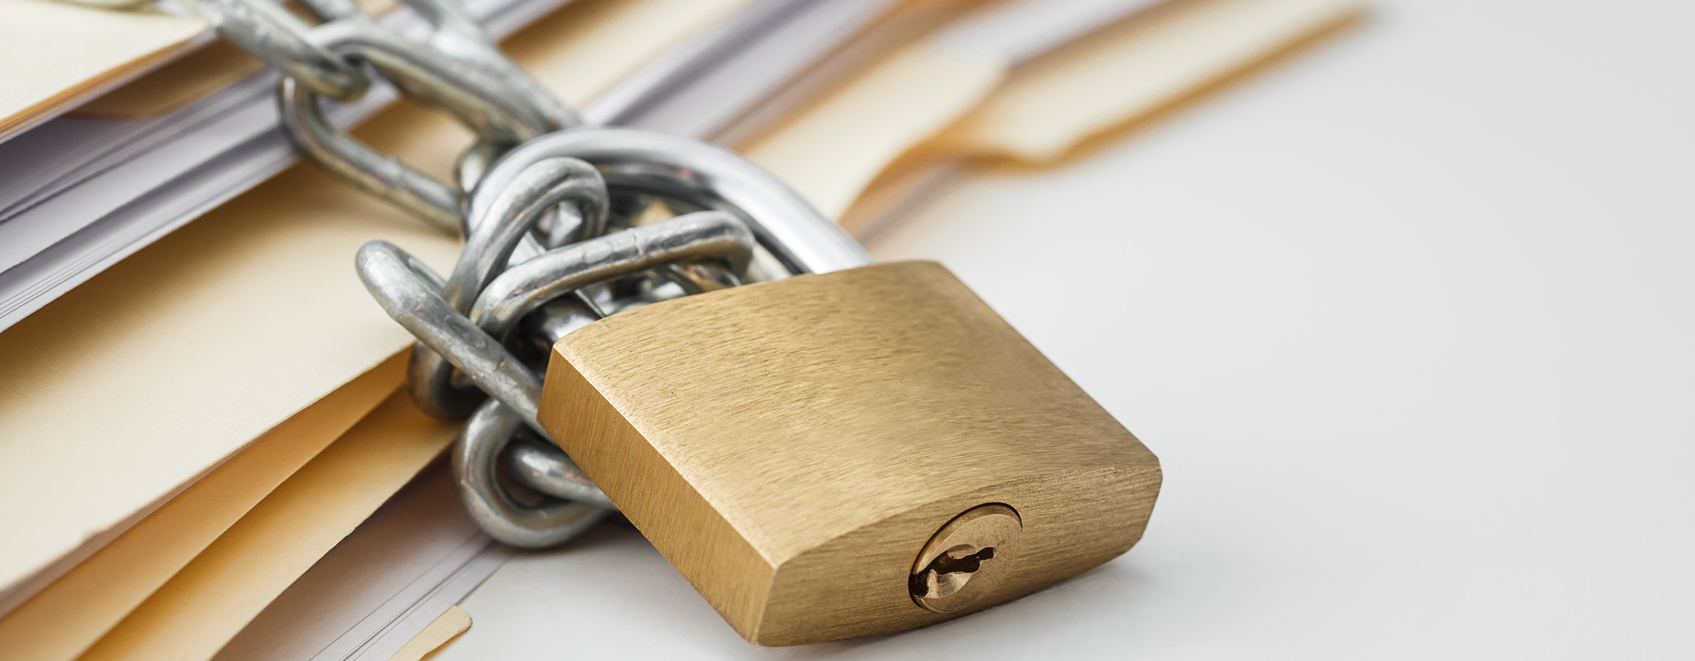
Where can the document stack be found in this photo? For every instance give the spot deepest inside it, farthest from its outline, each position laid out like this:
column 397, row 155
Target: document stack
column 205, row 448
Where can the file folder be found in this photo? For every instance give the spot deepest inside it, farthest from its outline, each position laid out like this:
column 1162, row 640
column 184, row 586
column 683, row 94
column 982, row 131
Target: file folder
column 221, row 273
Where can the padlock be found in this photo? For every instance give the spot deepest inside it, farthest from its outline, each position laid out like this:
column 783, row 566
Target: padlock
column 835, row 450
column 850, row 453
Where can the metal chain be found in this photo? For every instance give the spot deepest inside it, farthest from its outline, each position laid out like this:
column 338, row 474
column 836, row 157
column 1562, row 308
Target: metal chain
column 556, row 224
column 458, row 69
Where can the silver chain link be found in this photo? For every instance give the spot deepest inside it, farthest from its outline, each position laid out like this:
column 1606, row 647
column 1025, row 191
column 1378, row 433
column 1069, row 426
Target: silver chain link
column 553, row 220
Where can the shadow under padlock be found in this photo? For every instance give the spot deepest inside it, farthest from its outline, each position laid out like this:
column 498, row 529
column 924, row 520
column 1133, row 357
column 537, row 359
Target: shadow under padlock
column 835, row 449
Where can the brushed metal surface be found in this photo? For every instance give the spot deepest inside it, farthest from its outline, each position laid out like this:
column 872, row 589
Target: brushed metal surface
column 792, row 446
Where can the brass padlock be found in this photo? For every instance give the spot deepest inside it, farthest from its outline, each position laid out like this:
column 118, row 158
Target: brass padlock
column 832, row 450
column 848, row 453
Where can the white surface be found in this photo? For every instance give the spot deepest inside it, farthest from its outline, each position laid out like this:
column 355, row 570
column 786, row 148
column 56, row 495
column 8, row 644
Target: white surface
column 1408, row 319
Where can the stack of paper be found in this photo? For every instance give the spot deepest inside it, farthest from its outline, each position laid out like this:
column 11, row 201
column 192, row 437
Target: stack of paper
column 201, row 427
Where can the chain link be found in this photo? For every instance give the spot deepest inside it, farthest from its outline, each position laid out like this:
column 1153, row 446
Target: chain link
column 508, row 270
column 552, row 234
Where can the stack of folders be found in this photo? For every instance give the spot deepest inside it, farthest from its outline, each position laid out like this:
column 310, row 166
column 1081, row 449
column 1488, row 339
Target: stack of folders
column 203, row 451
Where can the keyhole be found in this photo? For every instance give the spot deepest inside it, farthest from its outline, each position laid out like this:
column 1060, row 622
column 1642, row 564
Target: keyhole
column 949, row 572
column 978, row 548
column 947, row 564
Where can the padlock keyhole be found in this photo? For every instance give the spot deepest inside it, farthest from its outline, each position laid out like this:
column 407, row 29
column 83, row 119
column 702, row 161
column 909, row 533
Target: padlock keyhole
column 949, row 572
column 947, row 564
column 973, row 548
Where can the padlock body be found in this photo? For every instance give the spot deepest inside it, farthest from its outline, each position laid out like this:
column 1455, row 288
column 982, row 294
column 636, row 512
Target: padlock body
column 792, row 446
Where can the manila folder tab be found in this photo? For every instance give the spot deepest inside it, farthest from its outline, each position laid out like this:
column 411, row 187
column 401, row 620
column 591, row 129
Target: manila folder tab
column 55, row 53
column 129, row 386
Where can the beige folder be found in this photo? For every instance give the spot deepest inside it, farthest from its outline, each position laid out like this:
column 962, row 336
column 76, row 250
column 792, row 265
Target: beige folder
column 122, row 393
column 208, row 601
column 450, row 624
column 190, row 77
column 320, row 194
column 924, row 104
column 66, row 617
column 58, row 53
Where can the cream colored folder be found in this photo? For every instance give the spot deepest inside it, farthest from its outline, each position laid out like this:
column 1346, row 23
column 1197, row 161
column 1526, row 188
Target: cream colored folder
column 70, row 614
column 206, row 603
column 63, row 636
column 924, row 102
column 124, row 391
column 190, row 78
column 1135, row 71
column 376, row 588
column 402, row 122
column 57, row 53
column 449, row 625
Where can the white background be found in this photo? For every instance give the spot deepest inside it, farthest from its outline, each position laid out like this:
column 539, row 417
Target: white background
column 1408, row 319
